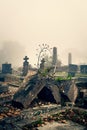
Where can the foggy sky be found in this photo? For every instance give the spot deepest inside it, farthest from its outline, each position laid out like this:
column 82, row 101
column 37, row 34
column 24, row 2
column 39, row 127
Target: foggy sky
column 12, row 52
column 60, row 23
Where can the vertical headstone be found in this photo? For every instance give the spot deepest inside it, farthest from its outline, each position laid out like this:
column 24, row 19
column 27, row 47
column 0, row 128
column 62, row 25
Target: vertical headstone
column 42, row 64
column 25, row 66
column 6, row 68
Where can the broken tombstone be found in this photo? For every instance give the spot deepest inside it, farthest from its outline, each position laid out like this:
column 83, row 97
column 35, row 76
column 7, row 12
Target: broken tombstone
column 42, row 88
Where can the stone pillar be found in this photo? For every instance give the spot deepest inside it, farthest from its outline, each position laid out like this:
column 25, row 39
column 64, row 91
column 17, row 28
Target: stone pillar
column 69, row 58
column 54, row 59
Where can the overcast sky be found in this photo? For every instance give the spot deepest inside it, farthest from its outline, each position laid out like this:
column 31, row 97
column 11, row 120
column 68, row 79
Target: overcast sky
column 24, row 24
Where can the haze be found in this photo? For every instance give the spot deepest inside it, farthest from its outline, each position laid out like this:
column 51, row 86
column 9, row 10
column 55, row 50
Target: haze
column 24, row 24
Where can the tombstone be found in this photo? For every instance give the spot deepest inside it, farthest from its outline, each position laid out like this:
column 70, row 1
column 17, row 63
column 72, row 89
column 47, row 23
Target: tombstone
column 6, row 68
column 25, row 66
column 72, row 70
column 83, row 69
column 42, row 88
column 42, row 64
column 70, row 90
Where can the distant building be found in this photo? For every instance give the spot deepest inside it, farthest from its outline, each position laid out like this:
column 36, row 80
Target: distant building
column 25, row 66
column 54, row 59
column 69, row 58
column 83, row 69
column 6, row 68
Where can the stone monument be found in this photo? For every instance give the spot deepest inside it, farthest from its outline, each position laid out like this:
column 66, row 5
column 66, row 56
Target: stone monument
column 42, row 64
column 25, row 66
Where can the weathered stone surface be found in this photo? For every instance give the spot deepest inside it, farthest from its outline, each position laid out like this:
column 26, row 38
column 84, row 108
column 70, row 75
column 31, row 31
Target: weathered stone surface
column 43, row 88
column 25, row 95
column 70, row 89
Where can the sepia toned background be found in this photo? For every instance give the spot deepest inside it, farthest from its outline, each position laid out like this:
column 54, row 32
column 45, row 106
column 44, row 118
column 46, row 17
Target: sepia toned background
column 24, row 24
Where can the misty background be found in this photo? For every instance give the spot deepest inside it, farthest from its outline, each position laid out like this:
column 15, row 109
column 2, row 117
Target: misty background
column 12, row 52
column 24, row 24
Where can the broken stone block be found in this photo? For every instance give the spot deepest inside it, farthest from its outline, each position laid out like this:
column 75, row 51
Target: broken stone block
column 42, row 88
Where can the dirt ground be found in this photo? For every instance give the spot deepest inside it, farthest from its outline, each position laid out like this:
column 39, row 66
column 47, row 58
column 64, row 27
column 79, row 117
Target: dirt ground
column 61, row 126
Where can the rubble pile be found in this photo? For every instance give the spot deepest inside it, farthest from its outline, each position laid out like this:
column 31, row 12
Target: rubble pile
column 62, row 117
column 6, row 110
column 33, row 118
column 76, row 115
column 40, row 91
column 7, row 94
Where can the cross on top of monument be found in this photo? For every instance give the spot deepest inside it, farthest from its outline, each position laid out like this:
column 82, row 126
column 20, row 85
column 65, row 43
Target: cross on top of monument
column 43, row 60
column 26, row 58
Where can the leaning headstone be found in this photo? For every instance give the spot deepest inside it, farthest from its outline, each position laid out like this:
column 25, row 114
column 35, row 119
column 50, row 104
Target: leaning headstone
column 25, row 95
column 36, row 87
column 70, row 90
